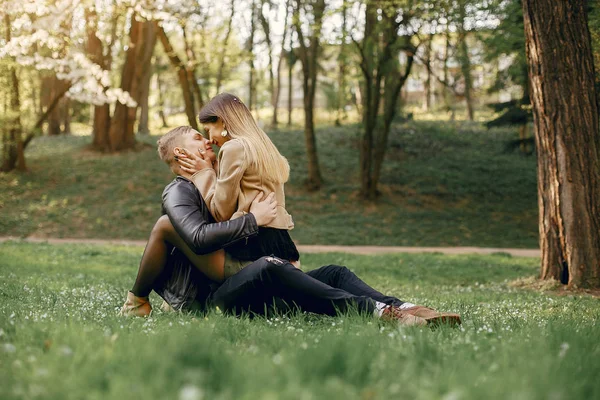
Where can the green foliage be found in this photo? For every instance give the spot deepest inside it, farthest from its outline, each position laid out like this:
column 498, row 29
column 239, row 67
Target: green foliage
column 508, row 40
column 60, row 336
column 442, row 184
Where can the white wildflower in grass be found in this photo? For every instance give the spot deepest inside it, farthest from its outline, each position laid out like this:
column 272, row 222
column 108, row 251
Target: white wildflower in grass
column 65, row 351
column 564, row 347
column 191, row 392
column 9, row 348
column 277, row 359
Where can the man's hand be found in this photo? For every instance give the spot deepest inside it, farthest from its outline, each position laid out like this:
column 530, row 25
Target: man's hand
column 265, row 210
column 192, row 163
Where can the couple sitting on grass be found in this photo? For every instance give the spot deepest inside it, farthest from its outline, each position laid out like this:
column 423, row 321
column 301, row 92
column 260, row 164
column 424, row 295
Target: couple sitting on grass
column 224, row 240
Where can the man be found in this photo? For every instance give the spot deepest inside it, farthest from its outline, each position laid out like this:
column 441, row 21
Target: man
column 183, row 284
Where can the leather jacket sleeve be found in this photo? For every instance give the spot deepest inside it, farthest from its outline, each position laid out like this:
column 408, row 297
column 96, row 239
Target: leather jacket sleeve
column 192, row 220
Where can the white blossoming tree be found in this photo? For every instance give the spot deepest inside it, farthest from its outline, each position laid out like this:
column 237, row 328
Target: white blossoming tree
column 76, row 40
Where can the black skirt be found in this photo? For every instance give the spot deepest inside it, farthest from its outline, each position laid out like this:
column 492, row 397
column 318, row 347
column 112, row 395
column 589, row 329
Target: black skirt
column 268, row 242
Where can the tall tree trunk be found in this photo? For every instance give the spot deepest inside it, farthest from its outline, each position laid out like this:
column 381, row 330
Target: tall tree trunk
column 13, row 154
column 561, row 73
column 276, row 94
column 223, row 52
column 465, row 67
column 66, row 116
column 309, row 56
column 371, row 98
column 264, row 21
column 250, row 49
column 161, row 100
column 290, row 89
column 342, row 60
column 144, row 89
column 101, row 113
column 465, row 62
column 54, row 118
column 121, row 133
column 191, row 71
column 428, row 80
column 182, row 76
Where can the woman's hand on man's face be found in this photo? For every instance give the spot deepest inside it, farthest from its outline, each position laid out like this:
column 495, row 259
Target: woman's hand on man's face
column 191, row 162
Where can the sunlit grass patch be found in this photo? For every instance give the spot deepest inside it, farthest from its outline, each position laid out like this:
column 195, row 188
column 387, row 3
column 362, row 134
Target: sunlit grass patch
column 60, row 336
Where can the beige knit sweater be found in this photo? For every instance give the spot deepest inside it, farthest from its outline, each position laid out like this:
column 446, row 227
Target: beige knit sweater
column 230, row 194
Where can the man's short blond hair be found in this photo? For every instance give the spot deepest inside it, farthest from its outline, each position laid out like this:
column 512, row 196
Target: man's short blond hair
column 170, row 140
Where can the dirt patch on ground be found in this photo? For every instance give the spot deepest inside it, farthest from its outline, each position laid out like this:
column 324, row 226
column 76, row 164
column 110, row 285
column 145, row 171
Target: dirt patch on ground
column 551, row 286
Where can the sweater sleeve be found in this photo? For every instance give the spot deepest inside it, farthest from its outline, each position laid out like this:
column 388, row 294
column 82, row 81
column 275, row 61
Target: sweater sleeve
column 222, row 200
column 205, row 181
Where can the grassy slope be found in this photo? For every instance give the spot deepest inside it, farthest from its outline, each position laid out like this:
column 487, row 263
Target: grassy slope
column 443, row 184
column 60, row 337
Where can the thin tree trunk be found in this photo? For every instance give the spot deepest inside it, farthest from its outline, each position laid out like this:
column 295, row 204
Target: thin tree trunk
column 182, row 76
column 161, row 100
column 250, row 49
column 466, row 72
column 465, row 62
column 55, row 116
column 264, row 21
column 341, row 92
column 561, row 73
column 191, row 71
column 101, row 113
column 66, row 116
column 428, row 80
column 13, row 154
column 276, row 94
column 144, row 89
column 290, row 89
column 223, row 52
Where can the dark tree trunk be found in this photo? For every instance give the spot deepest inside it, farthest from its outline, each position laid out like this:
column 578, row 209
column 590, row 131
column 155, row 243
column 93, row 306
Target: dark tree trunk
column 563, row 96
column 342, row 60
column 382, row 76
column 54, row 128
column 121, row 134
column 191, row 72
column 95, row 51
column 66, row 115
column 13, row 150
column 182, row 76
column 146, row 68
column 309, row 56
column 465, row 61
column 465, row 67
column 428, row 80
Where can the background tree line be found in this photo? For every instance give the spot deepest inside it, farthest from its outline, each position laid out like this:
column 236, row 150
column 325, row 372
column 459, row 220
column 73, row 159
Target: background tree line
column 100, row 62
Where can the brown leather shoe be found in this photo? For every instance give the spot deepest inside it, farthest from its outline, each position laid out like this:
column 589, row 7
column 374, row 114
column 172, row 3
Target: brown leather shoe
column 393, row 313
column 136, row 306
column 434, row 317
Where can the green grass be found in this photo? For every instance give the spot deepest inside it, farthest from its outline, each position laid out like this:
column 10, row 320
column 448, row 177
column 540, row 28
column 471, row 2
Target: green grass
column 60, row 336
column 443, row 184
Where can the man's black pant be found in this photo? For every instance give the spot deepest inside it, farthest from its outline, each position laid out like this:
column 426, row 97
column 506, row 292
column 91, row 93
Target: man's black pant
column 326, row 290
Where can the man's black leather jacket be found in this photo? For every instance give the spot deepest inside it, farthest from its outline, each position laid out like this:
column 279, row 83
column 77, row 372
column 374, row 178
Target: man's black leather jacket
column 193, row 221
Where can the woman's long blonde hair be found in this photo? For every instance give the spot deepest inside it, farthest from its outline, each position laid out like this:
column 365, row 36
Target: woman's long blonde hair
column 241, row 125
